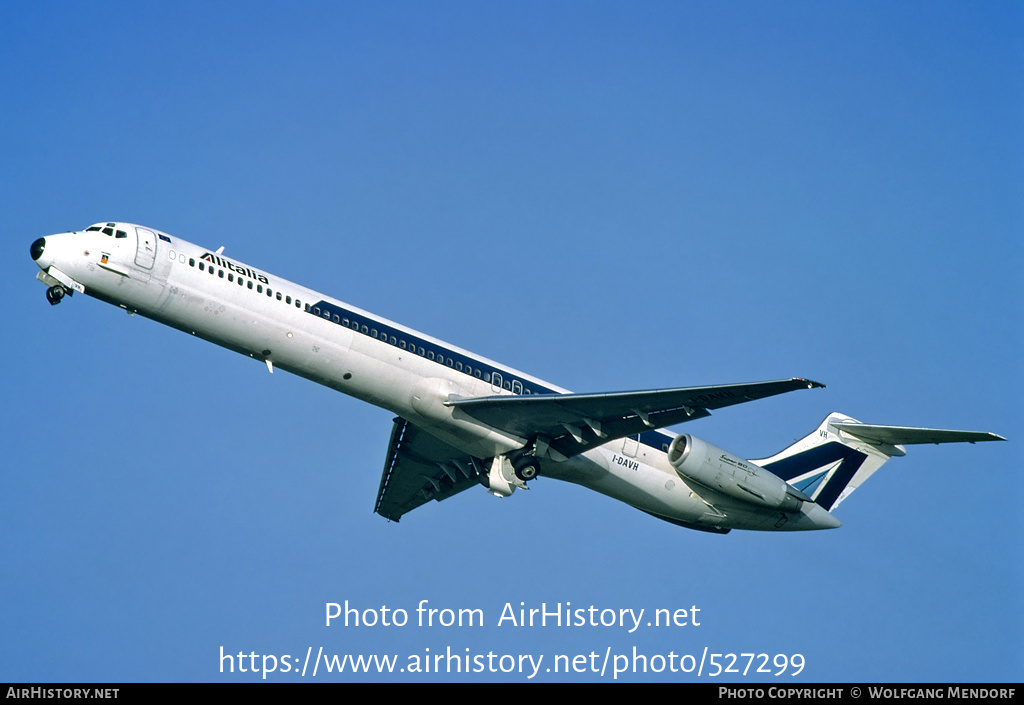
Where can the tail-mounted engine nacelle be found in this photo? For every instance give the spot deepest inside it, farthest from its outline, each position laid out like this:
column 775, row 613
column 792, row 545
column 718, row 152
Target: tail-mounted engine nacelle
column 703, row 463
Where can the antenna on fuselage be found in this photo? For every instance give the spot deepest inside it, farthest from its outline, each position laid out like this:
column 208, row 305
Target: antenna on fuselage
column 220, row 250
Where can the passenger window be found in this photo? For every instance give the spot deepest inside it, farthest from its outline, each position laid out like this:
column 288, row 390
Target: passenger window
column 279, row 296
column 191, row 262
column 259, row 288
column 220, row 273
column 336, row 319
column 316, row 310
column 231, row 277
column 249, row 284
column 288, row 299
column 201, row 267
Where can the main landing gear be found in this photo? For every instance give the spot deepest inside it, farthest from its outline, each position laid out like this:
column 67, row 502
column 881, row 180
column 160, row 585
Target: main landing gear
column 506, row 474
column 55, row 294
column 526, row 467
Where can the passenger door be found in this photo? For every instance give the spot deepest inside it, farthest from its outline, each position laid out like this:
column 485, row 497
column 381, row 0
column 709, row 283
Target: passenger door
column 145, row 255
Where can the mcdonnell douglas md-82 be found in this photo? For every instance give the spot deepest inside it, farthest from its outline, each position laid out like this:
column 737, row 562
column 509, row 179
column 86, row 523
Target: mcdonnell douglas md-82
column 463, row 420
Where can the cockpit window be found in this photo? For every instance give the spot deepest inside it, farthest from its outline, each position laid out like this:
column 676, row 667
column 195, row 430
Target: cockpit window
column 108, row 230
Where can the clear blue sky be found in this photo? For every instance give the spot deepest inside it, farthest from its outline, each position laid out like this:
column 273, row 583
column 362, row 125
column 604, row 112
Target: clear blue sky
column 608, row 195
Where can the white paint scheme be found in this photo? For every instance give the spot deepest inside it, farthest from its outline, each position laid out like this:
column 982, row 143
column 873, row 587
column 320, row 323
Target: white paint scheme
column 156, row 275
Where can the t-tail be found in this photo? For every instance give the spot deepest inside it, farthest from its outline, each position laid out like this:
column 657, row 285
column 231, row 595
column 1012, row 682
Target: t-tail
column 829, row 464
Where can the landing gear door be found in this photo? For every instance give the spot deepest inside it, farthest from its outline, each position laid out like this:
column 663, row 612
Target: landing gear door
column 146, row 253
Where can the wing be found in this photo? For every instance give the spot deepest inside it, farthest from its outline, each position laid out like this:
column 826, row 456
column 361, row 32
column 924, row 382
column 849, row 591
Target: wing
column 421, row 467
column 569, row 424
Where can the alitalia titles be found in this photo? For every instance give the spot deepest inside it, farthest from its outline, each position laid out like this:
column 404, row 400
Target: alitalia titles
column 236, row 268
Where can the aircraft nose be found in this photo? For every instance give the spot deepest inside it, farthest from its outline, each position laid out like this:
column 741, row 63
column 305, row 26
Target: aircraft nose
column 37, row 248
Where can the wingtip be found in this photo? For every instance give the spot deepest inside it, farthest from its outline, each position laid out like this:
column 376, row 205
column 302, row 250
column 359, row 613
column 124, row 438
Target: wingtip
column 811, row 384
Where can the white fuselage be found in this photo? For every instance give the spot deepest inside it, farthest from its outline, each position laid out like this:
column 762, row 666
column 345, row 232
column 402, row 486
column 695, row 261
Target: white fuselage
column 304, row 332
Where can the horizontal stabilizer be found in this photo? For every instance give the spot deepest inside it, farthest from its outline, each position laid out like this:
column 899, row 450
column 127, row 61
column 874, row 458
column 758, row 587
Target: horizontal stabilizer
column 907, row 435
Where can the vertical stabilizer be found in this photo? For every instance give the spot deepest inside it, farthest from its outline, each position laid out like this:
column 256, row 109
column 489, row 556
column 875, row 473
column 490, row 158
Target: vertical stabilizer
column 828, row 465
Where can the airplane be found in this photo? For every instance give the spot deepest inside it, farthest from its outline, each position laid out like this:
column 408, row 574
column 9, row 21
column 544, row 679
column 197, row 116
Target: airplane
column 463, row 420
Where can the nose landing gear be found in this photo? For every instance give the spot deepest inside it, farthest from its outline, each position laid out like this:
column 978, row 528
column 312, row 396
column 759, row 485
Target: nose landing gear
column 55, row 294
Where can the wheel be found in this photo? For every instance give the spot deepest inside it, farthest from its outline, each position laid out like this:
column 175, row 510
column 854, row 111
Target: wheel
column 54, row 295
column 527, row 468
